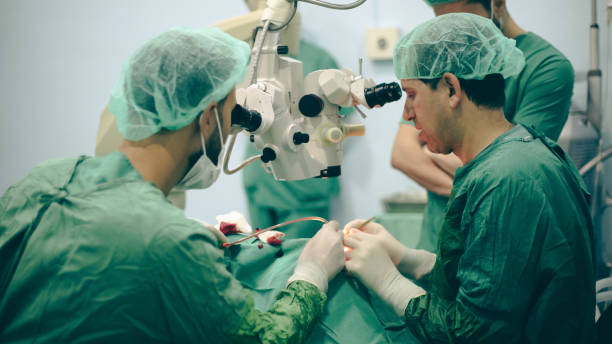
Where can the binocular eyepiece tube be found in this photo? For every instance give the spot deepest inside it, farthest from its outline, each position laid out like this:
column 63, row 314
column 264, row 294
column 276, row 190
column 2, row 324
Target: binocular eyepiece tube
column 249, row 120
column 382, row 93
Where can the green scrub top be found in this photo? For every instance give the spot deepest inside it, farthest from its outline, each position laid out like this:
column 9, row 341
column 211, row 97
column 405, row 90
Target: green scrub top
column 538, row 97
column 271, row 201
column 515, row 259
column 93, row 253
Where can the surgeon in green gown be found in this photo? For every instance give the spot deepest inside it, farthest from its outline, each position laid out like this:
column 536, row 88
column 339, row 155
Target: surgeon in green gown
column 92, row 250
column 514, row 262
column 539, row 97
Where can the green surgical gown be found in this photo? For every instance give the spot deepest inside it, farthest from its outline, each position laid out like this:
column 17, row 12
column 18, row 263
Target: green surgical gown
column 91, row 252
column 538, row 97
column 271, row 201
column 515, row 259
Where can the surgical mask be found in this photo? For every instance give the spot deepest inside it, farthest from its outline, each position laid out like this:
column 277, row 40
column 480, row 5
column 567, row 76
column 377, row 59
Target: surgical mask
column 204, row 172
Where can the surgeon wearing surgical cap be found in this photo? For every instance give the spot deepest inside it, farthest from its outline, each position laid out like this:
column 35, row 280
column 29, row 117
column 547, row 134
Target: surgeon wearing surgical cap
column 514, row 262
column 539, row 97
column 92, row 251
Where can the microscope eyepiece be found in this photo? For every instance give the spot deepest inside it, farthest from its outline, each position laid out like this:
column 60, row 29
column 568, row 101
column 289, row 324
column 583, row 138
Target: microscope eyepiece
column 382, row 93
column 249, row 120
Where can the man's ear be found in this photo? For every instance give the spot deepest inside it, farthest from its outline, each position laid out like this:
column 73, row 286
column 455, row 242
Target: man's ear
column 207, row 121
column 454, row 89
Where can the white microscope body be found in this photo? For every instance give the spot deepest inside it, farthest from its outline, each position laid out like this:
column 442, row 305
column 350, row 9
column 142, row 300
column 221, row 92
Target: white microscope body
column 295, row 121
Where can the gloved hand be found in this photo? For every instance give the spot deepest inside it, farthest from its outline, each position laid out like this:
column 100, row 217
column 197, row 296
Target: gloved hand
column 415, row 263
column 322, row 257
column 394, row 248
column 369, row 261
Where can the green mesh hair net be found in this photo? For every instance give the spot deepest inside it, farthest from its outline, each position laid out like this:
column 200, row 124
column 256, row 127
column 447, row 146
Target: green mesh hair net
column 173, row 77
column 467, row 45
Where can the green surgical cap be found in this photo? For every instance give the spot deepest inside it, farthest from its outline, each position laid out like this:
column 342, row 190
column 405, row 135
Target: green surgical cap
column 467, row 45
column 173, row 77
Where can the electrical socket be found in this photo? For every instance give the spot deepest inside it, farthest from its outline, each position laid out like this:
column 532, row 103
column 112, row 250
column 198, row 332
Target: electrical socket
column 380, row 43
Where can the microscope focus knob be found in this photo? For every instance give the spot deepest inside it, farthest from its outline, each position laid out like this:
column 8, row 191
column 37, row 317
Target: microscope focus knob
column 282, row 49
column 268, row 155
column 311, row 105
column 299, row 138
column 354, row 129
column 334, row 135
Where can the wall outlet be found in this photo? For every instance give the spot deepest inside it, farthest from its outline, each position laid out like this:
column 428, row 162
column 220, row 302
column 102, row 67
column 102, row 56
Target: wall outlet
column 380, row 43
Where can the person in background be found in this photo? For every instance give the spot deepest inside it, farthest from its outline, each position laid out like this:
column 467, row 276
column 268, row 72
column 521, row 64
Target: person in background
column 515, row 261
column 539, row 97
column 92, row 250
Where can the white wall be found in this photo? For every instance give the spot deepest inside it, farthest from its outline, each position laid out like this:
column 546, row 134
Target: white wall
column 60, row 59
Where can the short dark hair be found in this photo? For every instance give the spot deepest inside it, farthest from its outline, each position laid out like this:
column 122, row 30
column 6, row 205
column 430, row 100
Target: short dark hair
column 485, row 3
column 488, row 92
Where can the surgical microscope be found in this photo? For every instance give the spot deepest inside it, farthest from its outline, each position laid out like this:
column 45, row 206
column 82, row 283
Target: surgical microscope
column 294, row 120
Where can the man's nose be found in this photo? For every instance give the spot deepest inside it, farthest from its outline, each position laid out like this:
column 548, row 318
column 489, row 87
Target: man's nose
column 408, row 115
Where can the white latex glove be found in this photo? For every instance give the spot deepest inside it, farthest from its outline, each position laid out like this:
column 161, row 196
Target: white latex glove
column 369, row 261
column 322, row 257
column 394, row 248
column 414, row 263
column 242, row 225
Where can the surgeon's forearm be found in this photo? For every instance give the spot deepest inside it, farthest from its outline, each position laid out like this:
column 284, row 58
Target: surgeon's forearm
column 290, row 319
column 408, row 157
column 449, row 163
